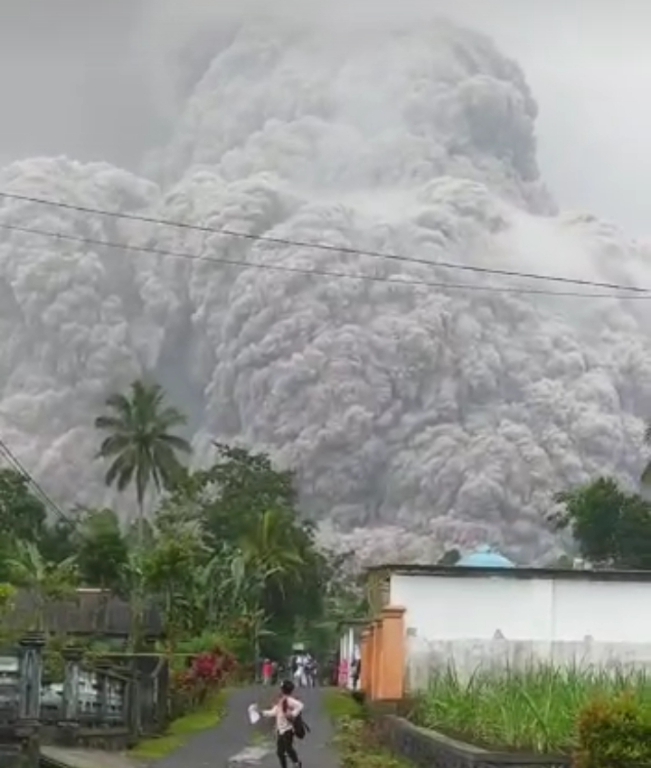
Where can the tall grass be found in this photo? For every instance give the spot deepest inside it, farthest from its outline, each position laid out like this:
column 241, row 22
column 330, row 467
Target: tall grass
column 533, row 709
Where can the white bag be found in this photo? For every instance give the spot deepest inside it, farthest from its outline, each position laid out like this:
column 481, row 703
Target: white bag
column 254, row 714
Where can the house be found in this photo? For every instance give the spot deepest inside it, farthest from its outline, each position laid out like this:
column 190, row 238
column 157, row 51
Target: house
column 481, row 613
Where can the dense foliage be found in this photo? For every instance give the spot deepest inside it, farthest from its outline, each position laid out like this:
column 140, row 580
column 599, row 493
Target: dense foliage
column 226, row 555
column 610, row 527
column 614, row 733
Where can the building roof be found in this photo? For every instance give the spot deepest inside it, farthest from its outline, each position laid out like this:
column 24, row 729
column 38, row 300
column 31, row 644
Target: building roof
column 454, row 572
column 484, row 557
column 91, row 612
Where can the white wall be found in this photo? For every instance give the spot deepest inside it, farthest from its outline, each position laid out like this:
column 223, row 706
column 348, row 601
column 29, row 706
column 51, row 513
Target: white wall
column 474, row 620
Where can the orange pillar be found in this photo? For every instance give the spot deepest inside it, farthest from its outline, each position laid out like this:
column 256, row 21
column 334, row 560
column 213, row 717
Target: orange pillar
column 393, row 660
column 376, row 684
column 364, row 655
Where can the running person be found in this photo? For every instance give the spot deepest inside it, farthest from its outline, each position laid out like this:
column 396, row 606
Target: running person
column 284, row 711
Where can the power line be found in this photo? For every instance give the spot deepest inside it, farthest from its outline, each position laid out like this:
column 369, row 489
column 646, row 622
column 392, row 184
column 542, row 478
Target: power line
column 318, row 272
column 19, row 467
column 319, row 246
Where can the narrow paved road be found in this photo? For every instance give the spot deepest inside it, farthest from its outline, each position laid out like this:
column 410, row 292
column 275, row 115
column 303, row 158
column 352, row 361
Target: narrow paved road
column 235, row 742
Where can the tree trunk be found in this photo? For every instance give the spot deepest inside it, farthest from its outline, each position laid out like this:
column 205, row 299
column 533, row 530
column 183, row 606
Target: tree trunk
column 137, row 598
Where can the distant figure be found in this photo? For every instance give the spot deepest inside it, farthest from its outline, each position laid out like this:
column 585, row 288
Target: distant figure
column 343, row 673
column 267, row 671
column 357, row 672
column 313, row 672
column 299, row 671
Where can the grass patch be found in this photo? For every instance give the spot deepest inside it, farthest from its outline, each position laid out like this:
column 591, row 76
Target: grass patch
column 355, row 738
column 532, row 710
column 340, row 704
column 182, row 730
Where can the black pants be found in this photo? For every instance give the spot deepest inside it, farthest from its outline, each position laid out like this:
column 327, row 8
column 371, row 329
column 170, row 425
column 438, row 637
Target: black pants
column 285, row 748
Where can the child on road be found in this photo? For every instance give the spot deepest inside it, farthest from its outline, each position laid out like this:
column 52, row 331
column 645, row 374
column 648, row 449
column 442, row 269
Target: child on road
column 285, row 711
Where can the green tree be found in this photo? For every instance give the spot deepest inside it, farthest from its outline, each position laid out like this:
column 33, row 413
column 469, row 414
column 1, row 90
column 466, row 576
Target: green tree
column 612, row 528
column 646, row 474
column 239, row 488
column 262, row 570
column 171, row 570
column 140, row 445
column 102, row 550
column 58, row 541
column 22, row 515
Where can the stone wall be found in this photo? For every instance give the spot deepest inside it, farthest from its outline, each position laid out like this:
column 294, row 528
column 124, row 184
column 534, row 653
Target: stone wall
column 429, row 749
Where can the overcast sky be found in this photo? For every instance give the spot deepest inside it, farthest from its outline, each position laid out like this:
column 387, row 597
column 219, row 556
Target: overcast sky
column 73, row 80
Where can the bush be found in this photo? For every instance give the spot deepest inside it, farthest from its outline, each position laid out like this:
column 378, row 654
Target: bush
column 205, row 675
column 614, row 733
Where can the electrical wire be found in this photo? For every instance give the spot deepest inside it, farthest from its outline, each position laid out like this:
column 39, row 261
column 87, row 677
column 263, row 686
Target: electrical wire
column 17, row 465
column 318, row 272
column 318, row 246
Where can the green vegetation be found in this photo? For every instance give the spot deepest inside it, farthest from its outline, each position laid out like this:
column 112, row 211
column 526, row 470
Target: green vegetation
column 534, row 710
column 225, row 553
column 355, row 737
column 611, row 528
column 183, row 729
column 615, row 732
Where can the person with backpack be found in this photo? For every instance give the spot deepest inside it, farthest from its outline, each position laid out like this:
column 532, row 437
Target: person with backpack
column 287, row 712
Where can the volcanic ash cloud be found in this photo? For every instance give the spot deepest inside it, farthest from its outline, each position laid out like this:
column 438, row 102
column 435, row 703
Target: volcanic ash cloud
column 417, row 416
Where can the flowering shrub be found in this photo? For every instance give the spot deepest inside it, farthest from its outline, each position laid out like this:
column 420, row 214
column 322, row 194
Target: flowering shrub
column 206, row 673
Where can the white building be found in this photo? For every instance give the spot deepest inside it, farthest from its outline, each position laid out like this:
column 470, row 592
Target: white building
column 483, row 615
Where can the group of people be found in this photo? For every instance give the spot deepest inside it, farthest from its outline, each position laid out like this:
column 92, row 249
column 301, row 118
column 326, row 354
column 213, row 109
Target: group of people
column 305, row 670
column 302, row 668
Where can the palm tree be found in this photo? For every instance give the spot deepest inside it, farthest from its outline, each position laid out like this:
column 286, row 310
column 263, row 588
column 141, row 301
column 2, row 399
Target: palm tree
column 140, row 444
column 270, row 547
column 646, row 474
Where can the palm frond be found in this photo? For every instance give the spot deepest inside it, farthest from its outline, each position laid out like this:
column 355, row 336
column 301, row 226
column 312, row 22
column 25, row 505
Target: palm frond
column 646, row 475
column 113, row 444
column 176, row 442
column 111, row 422
column 119, row 403
column 172, row 417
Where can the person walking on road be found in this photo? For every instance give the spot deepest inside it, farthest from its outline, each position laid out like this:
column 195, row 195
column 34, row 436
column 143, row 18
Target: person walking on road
column 286, row 711
column 267, row 670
